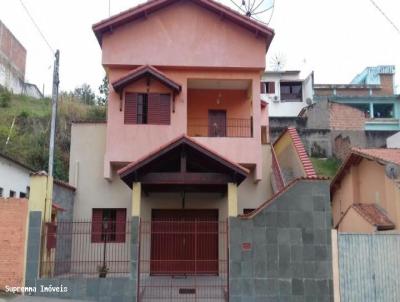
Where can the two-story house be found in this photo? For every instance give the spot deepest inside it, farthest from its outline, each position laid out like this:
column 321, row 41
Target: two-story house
column 287, row 92
column 183, row 164
column 373, row 92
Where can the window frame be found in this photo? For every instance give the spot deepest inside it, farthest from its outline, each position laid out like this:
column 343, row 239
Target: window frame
column 385, row 117
column 12, row 194
column 291, row 96
column 142, row 105
column 98, row 234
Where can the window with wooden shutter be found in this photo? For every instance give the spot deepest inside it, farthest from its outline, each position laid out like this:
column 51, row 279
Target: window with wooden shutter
column 120, row 228
column 130, row 108
column 271, row 87
column 159, row 109
column 97, row 220
column 108, row 224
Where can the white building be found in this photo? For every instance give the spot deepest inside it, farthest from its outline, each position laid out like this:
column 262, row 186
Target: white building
column 14, row 178
column 393, row 141
column 287, row 92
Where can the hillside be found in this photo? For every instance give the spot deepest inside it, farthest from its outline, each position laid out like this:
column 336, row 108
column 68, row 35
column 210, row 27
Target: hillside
column 29, row 136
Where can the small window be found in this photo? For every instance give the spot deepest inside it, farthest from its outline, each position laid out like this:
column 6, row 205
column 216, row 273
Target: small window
column 383, row 110
column 247, row 211
column 108, row 225
column 142, row 105
column 12, row 193
column 22, row 195
column 291, row 91
column 268, row 87
column 1, row 192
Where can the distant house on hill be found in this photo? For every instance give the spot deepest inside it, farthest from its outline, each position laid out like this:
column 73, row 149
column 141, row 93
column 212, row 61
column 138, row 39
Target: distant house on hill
column 12, row 65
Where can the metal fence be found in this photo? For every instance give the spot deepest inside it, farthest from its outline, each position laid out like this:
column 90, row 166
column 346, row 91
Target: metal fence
column 183, row 261
column 86, row 249
column 369, row 267
column 235, row 127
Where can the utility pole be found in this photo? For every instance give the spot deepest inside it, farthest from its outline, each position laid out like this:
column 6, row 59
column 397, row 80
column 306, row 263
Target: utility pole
column 54, row 98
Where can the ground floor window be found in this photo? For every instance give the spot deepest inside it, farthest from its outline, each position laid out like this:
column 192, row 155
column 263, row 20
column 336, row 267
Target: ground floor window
column 108, row 225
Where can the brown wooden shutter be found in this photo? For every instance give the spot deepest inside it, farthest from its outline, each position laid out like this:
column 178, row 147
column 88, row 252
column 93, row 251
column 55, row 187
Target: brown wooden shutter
column 159, row 109
column 271, row 87
column 262, row 87
column 97, row 221
column 120, row 229
column 130, row 108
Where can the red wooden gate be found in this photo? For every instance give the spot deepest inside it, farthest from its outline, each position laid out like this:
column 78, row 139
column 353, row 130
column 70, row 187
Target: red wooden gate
column 184, row 242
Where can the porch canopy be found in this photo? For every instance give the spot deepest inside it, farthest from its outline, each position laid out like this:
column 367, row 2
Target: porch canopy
column 183, row 165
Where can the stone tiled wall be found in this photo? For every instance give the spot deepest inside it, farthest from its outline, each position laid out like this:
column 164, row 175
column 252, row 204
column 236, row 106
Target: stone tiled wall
column 289, row 258
column 13, row 215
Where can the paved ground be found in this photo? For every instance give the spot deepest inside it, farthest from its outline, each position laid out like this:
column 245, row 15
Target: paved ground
column 33, row 299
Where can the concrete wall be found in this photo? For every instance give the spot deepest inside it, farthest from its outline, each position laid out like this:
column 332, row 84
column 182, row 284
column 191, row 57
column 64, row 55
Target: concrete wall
column 289, row 258
column 13, row 177
column 393, row 141
column 13, row 218
column 188, row 35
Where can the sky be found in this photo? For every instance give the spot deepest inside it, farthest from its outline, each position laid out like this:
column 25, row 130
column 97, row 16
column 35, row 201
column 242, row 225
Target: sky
column 336, row 39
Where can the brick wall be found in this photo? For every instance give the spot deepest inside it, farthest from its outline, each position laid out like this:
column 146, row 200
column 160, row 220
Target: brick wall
column 13, row 50
column 13, row 215
column 344, row 117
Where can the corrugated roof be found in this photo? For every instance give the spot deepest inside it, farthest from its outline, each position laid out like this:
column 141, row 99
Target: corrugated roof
column 370, row 75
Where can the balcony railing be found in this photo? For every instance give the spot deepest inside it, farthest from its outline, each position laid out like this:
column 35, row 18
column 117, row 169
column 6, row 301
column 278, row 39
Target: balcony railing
column 224, row 128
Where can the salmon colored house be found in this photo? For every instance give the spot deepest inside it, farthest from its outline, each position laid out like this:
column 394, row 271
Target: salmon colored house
column 366, row 192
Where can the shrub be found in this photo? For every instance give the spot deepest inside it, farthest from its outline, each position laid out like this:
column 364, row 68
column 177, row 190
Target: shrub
column 5, row 98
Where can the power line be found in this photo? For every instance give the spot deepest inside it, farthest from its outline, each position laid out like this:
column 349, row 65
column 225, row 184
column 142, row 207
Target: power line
column 386, row 17
column 37, row 27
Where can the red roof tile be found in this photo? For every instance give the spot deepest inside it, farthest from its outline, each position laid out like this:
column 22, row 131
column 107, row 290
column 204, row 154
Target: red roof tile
column 301, row 151
column 374, row 215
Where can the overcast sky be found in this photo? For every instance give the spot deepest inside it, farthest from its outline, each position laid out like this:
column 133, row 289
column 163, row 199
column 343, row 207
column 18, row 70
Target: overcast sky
column 335, row 38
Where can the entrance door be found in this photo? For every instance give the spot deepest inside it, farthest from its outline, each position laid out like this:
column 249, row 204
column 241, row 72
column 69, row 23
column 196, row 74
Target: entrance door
column 216, row 123
column 184, row 242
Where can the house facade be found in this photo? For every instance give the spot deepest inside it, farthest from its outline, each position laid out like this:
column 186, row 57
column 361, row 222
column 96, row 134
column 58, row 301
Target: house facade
column 365, row 192
column 286, row 92
column 373, row 92
column 179, row 195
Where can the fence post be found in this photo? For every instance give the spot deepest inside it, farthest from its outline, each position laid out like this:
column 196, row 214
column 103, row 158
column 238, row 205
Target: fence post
column 335, row 266
column 39, row 211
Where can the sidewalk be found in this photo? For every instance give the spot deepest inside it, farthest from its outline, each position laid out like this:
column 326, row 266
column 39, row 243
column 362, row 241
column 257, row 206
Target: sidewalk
column 34, row 299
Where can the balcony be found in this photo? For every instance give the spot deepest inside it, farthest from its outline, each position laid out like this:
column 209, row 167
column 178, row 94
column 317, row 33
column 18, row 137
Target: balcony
column 220, row 127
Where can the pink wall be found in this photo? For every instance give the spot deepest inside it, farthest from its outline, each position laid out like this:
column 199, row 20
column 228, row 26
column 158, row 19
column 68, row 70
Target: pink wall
column 184, row 34
column 127, row 143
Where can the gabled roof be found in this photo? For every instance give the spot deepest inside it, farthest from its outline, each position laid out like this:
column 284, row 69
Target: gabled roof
column 142, row 72
column 372, row 214
column 301, row 151
column 144, row 9
column 379, row 155
column 130, row 169
column 22, row 165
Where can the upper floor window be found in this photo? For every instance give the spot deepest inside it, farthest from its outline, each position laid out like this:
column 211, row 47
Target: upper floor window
column 267, row 87
column 383, row 110
column 147, row 108
column 291, row 91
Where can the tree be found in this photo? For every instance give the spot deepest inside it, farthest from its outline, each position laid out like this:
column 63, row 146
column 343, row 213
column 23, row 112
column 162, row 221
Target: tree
column 85, row 94
column 104, row 90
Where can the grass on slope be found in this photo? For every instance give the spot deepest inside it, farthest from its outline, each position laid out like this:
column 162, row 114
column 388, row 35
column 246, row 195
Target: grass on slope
column 29, row 137
column 326, row 166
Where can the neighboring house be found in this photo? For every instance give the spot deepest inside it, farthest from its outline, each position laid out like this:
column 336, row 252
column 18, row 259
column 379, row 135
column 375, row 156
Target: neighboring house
column 393, row 141
column 12, row 65
column 14, row 178
column 373, row 92
column 177, row 182
column 366, row 192
column 287, row 92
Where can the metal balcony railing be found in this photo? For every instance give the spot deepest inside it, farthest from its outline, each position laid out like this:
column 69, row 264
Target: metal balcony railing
column 234, row 127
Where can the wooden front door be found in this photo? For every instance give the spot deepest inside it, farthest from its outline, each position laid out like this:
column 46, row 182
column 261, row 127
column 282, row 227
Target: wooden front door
column 184, row 242
column 216, row 123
